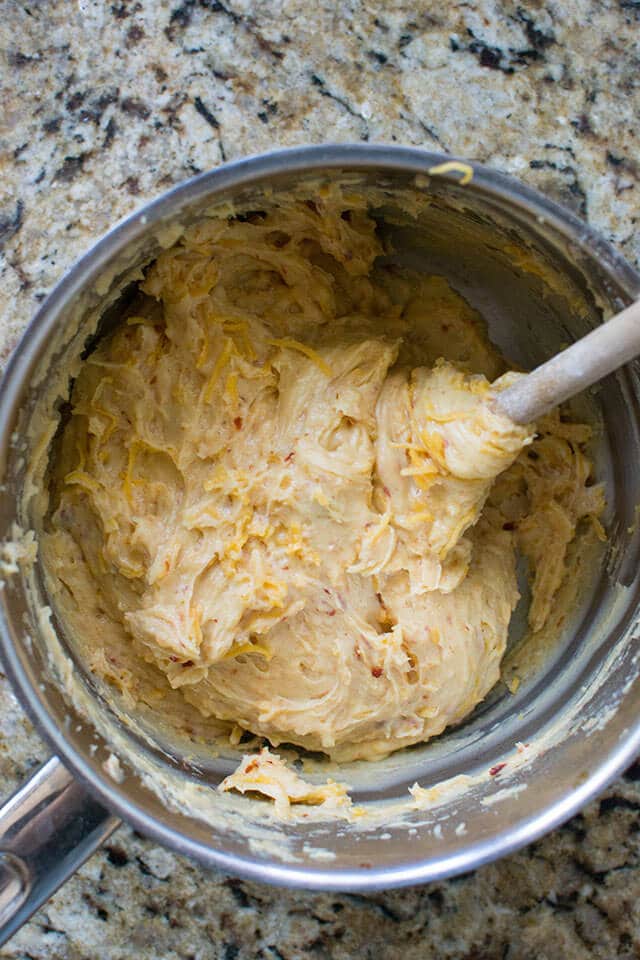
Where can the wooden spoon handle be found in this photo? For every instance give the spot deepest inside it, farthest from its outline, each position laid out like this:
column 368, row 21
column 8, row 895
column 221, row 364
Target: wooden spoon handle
column 602, row 351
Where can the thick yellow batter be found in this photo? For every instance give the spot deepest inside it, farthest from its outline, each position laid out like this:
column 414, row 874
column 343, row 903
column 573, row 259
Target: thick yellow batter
column 275, row 493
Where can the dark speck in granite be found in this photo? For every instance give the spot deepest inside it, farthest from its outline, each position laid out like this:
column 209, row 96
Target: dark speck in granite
column 71, row 167
column 104, row 105
column 206, row 113
column 11, row 222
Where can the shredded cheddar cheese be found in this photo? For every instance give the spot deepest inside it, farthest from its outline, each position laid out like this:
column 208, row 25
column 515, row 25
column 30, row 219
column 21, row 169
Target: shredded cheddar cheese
column 218, row 367
column 453, row 166
column 288, row 344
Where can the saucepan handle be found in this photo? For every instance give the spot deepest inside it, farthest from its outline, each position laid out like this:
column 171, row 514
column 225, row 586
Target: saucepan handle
column 48, row 828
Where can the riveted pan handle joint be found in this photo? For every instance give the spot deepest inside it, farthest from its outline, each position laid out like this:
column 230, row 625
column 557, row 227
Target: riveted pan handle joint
column 48, row 828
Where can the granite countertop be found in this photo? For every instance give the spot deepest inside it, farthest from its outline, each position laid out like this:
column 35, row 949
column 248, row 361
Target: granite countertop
column 104, row 105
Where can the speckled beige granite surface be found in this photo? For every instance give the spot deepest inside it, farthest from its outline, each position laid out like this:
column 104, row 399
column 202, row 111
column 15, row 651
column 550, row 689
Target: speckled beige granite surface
column 104, row 105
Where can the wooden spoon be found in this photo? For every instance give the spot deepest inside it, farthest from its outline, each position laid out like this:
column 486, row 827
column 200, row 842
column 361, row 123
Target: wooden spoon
column 602, row 351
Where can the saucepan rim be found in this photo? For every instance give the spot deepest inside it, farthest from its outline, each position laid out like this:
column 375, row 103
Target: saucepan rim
column 356, row 157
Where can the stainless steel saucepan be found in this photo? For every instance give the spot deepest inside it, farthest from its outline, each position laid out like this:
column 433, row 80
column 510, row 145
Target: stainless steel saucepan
column 542, row 278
